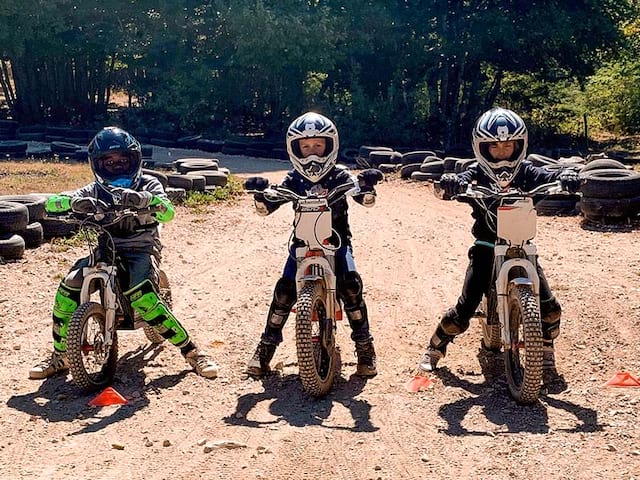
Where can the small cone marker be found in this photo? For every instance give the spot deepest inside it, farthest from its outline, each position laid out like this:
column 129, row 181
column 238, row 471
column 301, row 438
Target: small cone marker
column 417, row 383
column 623, row 379
column 109, row 396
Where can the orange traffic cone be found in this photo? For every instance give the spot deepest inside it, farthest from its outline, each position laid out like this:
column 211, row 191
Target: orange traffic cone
column 623, row 379
column 419, row 382
column 109, row 396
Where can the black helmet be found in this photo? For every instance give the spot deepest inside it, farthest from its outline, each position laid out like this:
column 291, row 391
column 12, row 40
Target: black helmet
column 500, row 125
column 116, row 158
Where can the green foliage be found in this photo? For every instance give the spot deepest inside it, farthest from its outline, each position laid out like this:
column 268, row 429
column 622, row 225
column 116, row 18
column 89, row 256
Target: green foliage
column 404, row 72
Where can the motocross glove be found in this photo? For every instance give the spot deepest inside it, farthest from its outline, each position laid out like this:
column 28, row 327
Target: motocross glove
column 368, row 178
column 133, row 199
column 450, row 184
column 84, row 205
column 570, row 181
column 256, row 183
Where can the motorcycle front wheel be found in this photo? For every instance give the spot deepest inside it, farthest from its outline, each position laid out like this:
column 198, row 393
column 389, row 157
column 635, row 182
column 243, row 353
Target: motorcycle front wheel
column 523, row 360
column 318, row 358
column 91, row 364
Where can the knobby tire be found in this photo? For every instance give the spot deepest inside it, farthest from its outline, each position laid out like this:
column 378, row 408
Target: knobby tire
column 317, row 363
column 523, row 361
column 92, row 368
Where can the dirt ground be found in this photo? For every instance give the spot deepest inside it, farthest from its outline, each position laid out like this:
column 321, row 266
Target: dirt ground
column 411, row 252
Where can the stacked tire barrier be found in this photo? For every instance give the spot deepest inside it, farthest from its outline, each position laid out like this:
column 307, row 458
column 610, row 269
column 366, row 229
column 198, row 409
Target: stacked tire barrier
column 192, row 174
column 21, row 225
column 610, row 193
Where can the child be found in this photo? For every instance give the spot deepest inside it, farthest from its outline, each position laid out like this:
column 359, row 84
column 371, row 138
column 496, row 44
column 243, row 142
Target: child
column 500, row 146
column 312, row 144
column 116, row 162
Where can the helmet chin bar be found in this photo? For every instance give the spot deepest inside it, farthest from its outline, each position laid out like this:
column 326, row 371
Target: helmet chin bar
column 504, row 178
column 314, row 171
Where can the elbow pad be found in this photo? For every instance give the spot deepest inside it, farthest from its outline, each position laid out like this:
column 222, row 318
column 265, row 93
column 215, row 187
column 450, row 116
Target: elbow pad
column 58, row 204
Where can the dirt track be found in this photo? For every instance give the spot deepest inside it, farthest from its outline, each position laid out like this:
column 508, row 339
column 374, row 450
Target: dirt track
column 411, row 252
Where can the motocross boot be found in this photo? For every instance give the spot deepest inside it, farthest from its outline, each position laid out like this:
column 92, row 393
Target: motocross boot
column 258, row 366
column 366, row 359
column 450, row 325
column 551, row 379
column 430, row 359
column 57, row 363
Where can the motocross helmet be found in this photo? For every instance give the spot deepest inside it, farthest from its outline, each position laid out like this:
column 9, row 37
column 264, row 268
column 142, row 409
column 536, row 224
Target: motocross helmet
column 116, row 158
column 312, row 125
column 500, row 125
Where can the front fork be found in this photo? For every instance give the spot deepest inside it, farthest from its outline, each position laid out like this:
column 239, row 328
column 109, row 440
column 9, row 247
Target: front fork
column 502, row 268
column 105, row 276
column 321, row 269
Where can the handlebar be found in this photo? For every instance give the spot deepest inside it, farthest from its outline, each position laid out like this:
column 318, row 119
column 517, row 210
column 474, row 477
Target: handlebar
column 277, row 192
column 474, row 191
column 479, row 191
column 106, row 216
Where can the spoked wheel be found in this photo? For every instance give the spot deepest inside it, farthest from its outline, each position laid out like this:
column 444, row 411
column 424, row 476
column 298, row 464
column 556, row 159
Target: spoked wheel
column 318, row 359
column 523, row 361
column 92, row 365
column 165, row 294
column 491, row 338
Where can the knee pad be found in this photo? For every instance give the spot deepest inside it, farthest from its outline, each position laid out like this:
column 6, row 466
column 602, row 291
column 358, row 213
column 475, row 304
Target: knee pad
column 284, row 296
column 451, row 323
column 350, row 289
column 147, row 302
column 65, row 303
column 550, row 310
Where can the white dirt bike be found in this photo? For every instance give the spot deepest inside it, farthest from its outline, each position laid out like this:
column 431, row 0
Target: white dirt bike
column 512, row 318
column 92, row 336
column 318, row 307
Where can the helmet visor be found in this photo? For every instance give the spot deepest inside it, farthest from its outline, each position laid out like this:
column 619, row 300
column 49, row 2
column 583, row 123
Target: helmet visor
column 501, row 154
column 312, row 152
column 117, row 165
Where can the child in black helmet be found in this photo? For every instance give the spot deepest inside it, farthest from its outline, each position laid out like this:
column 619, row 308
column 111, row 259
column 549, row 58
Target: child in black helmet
column 116, row 161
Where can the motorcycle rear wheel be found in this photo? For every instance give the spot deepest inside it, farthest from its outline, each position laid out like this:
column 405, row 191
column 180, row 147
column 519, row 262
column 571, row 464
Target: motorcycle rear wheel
column 523, row 360
column 491, row 336
column 318, row 357
column 92, row 366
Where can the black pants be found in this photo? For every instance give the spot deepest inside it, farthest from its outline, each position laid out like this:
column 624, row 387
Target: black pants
column 477, row 282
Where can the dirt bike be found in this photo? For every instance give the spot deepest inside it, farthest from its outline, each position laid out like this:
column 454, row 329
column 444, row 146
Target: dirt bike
column 511, row 319
column 92, row 336
column 318, row 307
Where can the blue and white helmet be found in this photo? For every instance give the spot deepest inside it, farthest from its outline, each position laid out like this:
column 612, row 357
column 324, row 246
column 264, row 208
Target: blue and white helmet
column 312, row 125
column 500, row 125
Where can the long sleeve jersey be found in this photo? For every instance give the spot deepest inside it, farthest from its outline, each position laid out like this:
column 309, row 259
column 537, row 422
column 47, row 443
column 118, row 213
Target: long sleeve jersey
column 339, row 210
column 528, row 177
column 133, row 234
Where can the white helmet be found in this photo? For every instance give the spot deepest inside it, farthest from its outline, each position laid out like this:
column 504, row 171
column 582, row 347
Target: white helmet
column 500, row 125
column 312, row 125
